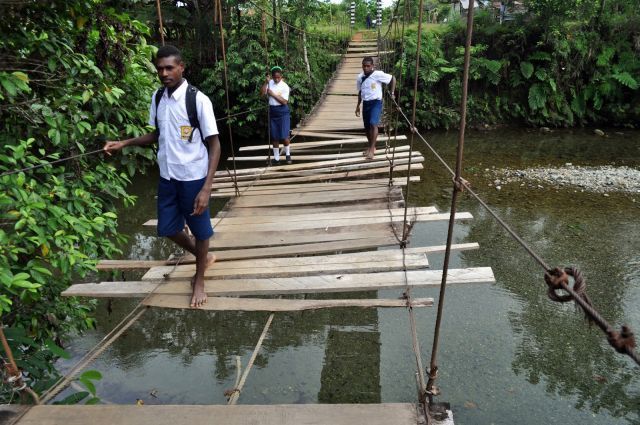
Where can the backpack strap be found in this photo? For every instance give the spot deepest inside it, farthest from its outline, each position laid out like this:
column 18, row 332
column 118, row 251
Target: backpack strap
column 192, row 110
column 158, row 97
column 364, row 77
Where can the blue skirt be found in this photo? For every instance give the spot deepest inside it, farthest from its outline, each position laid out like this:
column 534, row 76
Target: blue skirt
column 280, row 122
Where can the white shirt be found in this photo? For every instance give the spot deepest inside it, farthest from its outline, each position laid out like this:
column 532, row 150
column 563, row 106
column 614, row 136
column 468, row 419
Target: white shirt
column 371, row 88
column 178, row 158
column 281, row 89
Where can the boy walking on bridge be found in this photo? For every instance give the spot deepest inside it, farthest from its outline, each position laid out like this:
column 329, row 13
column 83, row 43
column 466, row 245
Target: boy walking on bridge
column 188, row 155
column 369, row 86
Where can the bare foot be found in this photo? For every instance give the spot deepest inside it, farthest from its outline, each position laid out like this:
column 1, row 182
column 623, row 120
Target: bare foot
column 370, row 155
column 211, row 258
column 199, row 296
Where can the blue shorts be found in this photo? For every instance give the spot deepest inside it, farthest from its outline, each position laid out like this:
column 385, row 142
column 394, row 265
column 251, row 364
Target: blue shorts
column 175, row 205
column 371, row 112
column 280, row 122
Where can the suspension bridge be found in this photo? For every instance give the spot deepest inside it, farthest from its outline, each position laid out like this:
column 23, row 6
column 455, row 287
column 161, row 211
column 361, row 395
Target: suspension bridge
column 347, row 230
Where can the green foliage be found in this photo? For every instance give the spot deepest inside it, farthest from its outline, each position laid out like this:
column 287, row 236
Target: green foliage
column 73, row 75
column 539, row 71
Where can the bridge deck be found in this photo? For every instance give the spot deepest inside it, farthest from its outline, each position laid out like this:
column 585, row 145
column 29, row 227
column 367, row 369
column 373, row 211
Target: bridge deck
column 318, row 226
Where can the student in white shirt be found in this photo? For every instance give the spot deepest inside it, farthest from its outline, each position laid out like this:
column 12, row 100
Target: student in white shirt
column 279, row 114
column 369, row 86
column 187, row 166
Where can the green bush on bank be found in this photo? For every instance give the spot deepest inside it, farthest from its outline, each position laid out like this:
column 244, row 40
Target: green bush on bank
column 73, row 75
column 528, row 72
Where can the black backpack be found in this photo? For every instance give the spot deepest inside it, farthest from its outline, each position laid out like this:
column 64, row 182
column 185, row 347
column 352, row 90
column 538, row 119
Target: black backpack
column 192, row 111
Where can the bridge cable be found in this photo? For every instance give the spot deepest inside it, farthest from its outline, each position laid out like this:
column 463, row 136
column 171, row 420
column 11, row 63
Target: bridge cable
column 218, row 4
column 161, row 28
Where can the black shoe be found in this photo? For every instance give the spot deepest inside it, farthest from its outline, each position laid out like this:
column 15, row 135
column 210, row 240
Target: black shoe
column 274, row 162
column 289, row 159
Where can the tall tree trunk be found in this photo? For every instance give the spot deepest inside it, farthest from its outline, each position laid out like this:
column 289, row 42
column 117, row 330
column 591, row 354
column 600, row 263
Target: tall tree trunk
column 304, row 49
column 274, row 6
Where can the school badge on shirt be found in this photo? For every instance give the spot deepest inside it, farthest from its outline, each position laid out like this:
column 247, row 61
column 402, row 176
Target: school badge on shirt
column 185, row 132
column 373, row 86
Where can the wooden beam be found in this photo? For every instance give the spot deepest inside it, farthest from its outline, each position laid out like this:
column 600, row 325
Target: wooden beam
column 302, row 133
column 306, row 209
column 394, row 212
column 264, row 227
column 331, row 170
column 306, row 145
column 278, row 305
column 324, row 157
column 360, row 262
column 285, row 285
column 319, row 177
column 311, row 187
column 284, row 414
column 147, row 264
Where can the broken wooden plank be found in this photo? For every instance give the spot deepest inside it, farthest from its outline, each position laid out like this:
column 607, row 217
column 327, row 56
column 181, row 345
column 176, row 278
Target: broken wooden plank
column 346, row 282
column 279, row 305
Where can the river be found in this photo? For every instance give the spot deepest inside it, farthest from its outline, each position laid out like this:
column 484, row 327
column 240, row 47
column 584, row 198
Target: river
column 507, row 354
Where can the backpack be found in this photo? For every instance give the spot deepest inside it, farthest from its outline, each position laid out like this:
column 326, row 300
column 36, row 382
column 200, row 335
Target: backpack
column 192, row 111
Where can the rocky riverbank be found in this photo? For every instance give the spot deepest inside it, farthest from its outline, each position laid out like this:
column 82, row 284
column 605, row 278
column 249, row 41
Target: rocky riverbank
column 603, row 179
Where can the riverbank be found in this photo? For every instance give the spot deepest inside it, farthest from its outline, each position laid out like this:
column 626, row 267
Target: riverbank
column 602, row 179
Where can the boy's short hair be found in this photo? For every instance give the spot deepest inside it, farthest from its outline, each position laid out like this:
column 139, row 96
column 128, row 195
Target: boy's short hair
column 367, row 59
column 169, row 51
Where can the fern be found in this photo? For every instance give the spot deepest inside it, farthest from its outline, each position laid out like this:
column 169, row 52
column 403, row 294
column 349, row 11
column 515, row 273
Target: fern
column 537, row 97
column 626, row 79
column 527, row 69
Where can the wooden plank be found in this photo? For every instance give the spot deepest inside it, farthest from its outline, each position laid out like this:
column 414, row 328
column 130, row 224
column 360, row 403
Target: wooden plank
column 366, row 165
column 305, row 209
column 224, row 240
column 320, row 177
column 315, row 198
column 290, row 218
column 345, row 282
column 299, row 225
column 311, row 187
column 302, row 157
column 147, row 264
column 294, row 414
column 306, row 145
column 354, row 159
column 302, row 133
column 278, row 305
column 361, row 262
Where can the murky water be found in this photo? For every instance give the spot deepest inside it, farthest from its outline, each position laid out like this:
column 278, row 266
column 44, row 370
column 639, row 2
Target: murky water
column 507, row 355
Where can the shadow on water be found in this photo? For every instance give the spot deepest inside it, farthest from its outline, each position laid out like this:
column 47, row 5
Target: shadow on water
column 508, row 354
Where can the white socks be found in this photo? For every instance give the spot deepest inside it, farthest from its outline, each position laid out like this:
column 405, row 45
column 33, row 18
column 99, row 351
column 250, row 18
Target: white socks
column 276, row 154
column 287, row 152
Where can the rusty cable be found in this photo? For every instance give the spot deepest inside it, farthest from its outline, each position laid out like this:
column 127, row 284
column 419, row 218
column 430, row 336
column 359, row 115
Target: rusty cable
column 433, row 366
